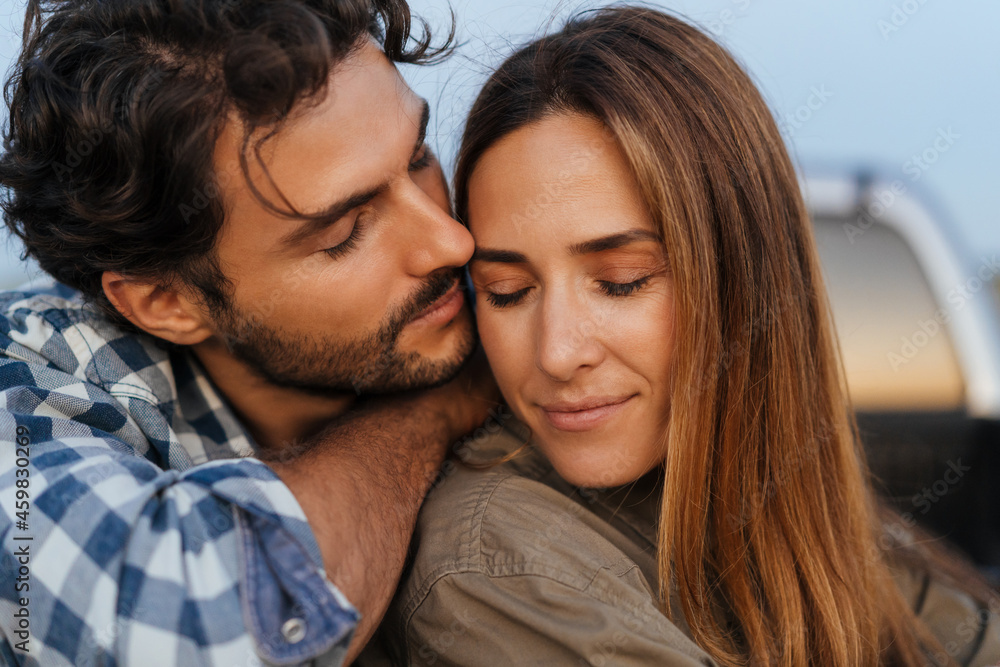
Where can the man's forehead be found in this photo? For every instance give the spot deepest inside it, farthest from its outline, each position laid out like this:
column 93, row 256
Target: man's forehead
column 364, row 91
column 368, row 83
column 362, row 127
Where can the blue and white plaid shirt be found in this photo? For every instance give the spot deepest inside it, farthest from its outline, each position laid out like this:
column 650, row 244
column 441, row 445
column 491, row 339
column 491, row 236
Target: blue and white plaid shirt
column 135, row 528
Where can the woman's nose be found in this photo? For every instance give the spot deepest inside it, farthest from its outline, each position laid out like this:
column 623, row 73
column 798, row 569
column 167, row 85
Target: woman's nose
column 568, row 337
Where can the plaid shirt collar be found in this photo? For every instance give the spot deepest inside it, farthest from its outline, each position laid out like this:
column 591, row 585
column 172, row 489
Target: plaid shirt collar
column 53, row 324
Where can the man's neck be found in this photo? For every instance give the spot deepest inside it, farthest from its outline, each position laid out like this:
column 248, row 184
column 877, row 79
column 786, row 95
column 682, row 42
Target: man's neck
column 278, row 418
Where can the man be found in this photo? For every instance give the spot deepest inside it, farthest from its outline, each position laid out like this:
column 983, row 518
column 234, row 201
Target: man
column 251, row 237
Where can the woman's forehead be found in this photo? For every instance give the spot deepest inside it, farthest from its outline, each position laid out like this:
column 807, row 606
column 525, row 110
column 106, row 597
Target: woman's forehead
column 560, row 174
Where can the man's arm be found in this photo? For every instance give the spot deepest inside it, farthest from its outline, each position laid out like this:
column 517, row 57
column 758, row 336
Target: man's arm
column 127, row 558
column 215, row 564
column 362, row 482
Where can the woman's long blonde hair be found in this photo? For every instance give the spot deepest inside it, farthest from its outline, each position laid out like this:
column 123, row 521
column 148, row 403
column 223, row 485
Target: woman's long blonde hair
column 768, row 526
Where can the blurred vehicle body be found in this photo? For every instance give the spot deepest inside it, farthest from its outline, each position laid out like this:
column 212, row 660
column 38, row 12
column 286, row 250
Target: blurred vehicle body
column 917, row 319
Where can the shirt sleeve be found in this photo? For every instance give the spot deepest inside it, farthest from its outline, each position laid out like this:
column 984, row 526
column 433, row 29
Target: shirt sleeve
column 538, row 620
column 968, row 631
column 107, row 558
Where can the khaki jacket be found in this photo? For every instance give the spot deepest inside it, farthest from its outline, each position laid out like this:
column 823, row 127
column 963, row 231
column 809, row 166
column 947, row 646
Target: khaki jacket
column 517, row 567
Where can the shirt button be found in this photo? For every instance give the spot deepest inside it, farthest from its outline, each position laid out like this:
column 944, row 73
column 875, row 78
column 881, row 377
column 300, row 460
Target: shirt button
column 294, row 630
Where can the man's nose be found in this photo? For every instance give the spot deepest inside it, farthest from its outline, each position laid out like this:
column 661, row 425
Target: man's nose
column 432, row 239
column 568, row 337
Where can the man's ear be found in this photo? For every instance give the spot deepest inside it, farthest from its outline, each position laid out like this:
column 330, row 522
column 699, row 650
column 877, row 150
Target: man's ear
column 166, row 313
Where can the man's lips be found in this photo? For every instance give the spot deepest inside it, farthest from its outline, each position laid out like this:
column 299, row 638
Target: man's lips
column 443, row 310
column 585, row 414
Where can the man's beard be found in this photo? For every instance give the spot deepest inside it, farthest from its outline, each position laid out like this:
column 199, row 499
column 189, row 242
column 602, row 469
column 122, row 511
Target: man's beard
column 328, row 365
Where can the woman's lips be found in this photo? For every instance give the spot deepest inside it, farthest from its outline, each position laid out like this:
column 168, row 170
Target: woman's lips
column 586, row 414
column 443, row 310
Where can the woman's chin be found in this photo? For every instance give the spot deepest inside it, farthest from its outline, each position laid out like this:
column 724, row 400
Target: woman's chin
column 597, row 470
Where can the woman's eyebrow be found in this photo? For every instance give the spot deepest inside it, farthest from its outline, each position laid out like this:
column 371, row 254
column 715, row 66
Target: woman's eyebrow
column 612, row 241
column 500, row 256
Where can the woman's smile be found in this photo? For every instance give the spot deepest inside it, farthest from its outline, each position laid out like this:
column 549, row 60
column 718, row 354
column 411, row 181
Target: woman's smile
column 586, row 414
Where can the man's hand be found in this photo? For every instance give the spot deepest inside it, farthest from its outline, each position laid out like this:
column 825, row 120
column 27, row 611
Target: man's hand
column 362, row 480
column 467, row 399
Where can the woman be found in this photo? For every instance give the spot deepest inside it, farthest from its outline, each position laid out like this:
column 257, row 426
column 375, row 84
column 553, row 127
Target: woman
column 648, row 295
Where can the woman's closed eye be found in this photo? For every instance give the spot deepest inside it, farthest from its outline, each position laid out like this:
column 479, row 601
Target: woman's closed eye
column 507, row 299
column 623, row 289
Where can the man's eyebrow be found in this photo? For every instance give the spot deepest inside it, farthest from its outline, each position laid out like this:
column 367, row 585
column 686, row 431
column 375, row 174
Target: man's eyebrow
column 425, row 118
column 613, row 241
column 500, row 256
column 321, row 220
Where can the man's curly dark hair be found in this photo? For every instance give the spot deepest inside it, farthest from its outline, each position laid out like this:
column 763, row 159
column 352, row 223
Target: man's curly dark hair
column 115, row 108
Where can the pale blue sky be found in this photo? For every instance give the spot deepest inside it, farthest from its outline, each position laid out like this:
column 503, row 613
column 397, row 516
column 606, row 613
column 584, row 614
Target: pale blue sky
column 889, row 92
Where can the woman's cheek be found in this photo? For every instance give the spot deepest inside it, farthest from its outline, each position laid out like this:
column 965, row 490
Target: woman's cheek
column 497, row 338
column 509, row 347
column 641, row 325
